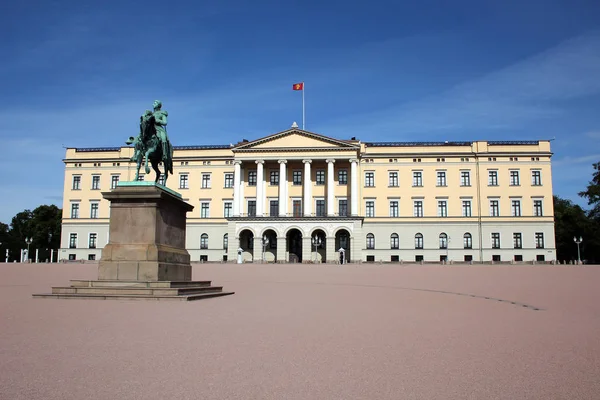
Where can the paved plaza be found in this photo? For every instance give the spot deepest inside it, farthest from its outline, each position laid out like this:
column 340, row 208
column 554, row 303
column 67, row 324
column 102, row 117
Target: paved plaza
column 309, row 332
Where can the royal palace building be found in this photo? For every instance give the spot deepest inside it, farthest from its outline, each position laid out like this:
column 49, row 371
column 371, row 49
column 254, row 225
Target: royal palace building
column 298, row 196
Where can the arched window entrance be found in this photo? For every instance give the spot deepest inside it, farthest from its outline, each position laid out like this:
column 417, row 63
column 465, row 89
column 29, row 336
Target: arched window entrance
column 342, row 240
column 294, row 245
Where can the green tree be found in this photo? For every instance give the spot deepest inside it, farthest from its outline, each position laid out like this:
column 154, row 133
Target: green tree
column 42, row 225
column 592, row 192
column 570, row 220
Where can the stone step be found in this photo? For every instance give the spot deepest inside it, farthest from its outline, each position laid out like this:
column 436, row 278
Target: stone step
column 144, row 284
column 131, row 290
column 190, row 297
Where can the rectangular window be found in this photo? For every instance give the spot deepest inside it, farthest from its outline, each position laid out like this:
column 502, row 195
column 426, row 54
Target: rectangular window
column 369, row 179
column 93, row 240
column 73, row 241
column 227, row 209
column 394, row 208
column 492, row 178
column 465, row 178
column 467, row 241
column 494, row 208
column 228, row 180
column 418, row 208
column 204, row 210
column 441, row 178
column 205, row 181
column 74, row 210
column 517, row 240
column 320, row 177
column 274, row 208
column 114, row 181
column 495, row 240
column 252, row 208
column 141, row 178
column 95, row 182
column 538, row 208
column 466, row 208
column 417, row 178
column 161, row 179
column 343, row 208
column 370, row 209
column 539, row 240
column 76, row 182
column 183, row 181
column 342, row 177
column 514, row 178
column 274, row 178
column 516, row 208
column 297, row 178
column 536, row 178
column 252, row 178
column 94, row 210
column 393, row 179
column 204, row 242
column 418, row 241
column 320, row 208
column 297, row 208
column 442, row 208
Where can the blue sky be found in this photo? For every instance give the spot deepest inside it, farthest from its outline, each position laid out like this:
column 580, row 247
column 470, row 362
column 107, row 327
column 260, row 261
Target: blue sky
column 79, row 74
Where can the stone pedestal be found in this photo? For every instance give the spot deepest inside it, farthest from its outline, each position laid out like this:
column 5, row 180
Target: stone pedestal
column 145, row 258
column 146, row 235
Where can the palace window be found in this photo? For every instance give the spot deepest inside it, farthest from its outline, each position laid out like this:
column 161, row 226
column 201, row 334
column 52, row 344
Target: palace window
column 514, row 178
column 494, row 208
column 204, row 241
column 205, row 181
column 274, row 208
column 465, row 178
column 225, row 241
column 516, row 208
column 492, row 178
column 92, row 240
column 441, row 178
column 418, row 208
column 342, row 177
column 419, row 241
column 370, row 208
column 394, row 208
column 94, row 210
column 370, row 241
column 227, row 209
column 114, row 181
column 297, row 208
column 252, row 208
column 204, row 209
column 95, row 182
column 467, row 241
column 343, row 208
column 417, row 178
column 536, row 178
column 538, row 208
column 297, row 178
column 539, row 240
column 320, row 177
column 466, row 208
column 73, row 241
column 76, row 182
column 320, row 208
column 517, row 240
column 252, row 178
column 394, row 241
column 161, row 179
column 183, row 181
column 74, row 210
column 443, row 241
column 274, row 178
column 393, row 179
column 442, row 208
column 369, row 179
column 495, row 240
column 228, row 180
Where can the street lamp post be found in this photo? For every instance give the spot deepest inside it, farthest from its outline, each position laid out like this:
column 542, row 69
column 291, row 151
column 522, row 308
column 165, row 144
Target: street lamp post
column 265, row 242
column 49, row 247
column 28, row 241
column 578, row 252
column 316, row 241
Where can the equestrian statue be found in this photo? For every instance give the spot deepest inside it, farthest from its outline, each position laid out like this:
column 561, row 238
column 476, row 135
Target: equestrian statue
column 152, row 145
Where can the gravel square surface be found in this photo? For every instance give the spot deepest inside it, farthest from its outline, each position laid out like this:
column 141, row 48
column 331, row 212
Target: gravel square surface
column 309, row 332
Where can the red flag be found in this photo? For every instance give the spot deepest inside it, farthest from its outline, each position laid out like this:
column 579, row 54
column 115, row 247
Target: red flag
column 298, row 86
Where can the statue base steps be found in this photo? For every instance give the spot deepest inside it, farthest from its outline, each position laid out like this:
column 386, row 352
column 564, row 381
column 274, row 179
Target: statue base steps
column 136, row 290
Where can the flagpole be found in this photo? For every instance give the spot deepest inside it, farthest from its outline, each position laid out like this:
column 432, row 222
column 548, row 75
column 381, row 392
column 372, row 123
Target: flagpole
column 303, row 110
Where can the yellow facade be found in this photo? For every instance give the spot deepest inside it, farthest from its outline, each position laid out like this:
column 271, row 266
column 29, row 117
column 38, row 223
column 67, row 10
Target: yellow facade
column 383, row 201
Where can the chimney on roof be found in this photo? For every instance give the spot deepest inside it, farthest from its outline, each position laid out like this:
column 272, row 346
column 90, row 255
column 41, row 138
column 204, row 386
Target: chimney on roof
column 294, row 125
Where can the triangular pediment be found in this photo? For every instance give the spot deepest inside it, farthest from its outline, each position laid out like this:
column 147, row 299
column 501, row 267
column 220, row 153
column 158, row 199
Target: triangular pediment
column 296, row 139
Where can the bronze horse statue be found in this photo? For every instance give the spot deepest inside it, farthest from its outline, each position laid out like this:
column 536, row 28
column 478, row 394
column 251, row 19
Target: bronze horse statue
column 152, row 147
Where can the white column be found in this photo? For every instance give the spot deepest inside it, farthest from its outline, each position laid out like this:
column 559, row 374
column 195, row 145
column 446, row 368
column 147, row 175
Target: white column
column 282, row 188
column 236, row 188
column 260, row 200
column 242, row 199
column 354, row 187
column 307, row 189
column 51, row 256
column 330, row 188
